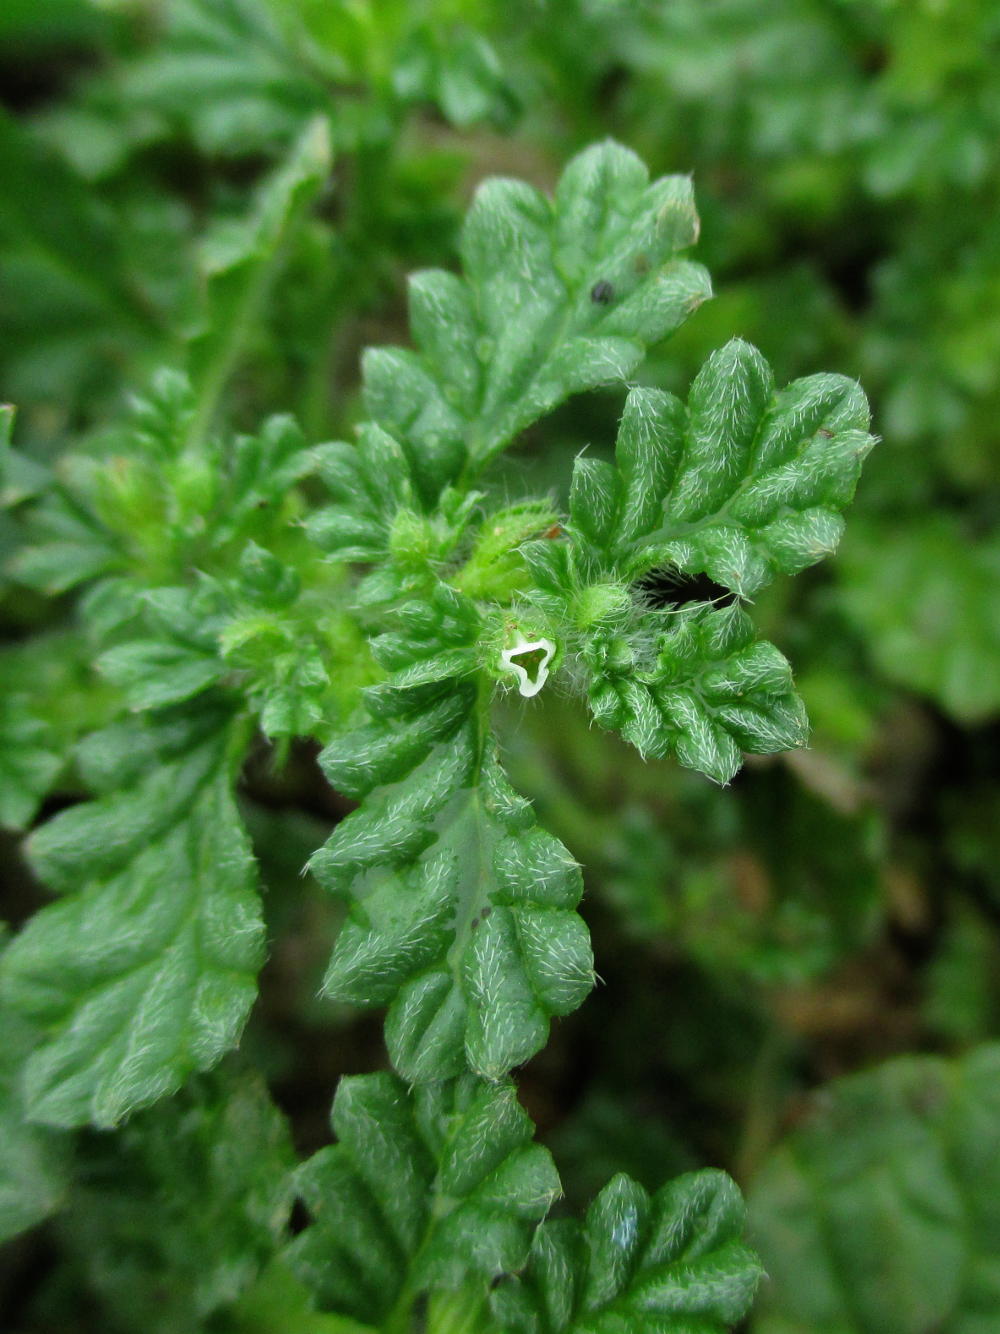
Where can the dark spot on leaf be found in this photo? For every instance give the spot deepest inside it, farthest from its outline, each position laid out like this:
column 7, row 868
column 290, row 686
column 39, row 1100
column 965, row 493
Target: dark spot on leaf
column 823, row 431
column 602, row 293
column 486, row 912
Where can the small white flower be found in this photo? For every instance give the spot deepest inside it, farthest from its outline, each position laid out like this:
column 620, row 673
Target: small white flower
column 523, row 648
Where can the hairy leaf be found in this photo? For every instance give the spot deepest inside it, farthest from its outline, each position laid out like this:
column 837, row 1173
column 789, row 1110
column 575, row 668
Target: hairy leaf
column 200, row 540
column 740, row 484
column 557, row 296
column 180, row 662
column 146, row 970
column 243, row 77
column 697, row 684
column 153, row 674
column 671, row 1263
column 880, row 1212
column 462, row 917
column 369, row 483
column 422, row 1188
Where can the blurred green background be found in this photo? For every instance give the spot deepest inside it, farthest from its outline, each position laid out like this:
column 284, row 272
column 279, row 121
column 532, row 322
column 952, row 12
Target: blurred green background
column 835, row 908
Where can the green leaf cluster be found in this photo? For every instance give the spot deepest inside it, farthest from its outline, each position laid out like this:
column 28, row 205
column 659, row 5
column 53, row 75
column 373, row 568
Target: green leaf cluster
column 428, row 1189
column 740, row 484
column 220, row 599
column 211, row 205
column 874, row 133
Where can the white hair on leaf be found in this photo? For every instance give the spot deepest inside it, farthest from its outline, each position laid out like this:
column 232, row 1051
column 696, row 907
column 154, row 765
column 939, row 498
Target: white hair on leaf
column 522, row 648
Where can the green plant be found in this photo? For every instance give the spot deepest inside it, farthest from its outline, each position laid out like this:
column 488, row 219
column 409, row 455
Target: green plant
column 377, row 596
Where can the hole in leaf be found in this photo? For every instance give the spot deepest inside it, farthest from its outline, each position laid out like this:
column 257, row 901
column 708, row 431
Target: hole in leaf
column 671, row 587
column 299, row 1219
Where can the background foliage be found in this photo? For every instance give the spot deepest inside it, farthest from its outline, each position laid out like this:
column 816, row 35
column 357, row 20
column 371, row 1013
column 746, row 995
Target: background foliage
column 800, row 971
